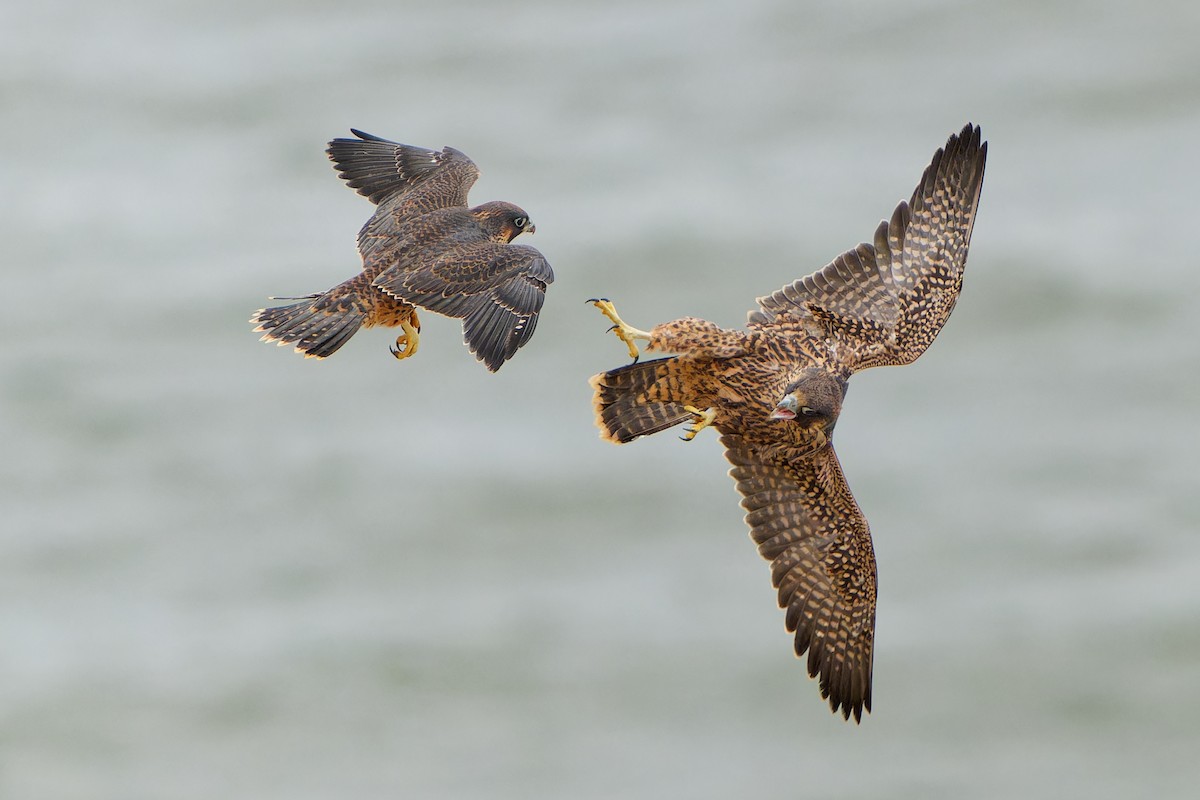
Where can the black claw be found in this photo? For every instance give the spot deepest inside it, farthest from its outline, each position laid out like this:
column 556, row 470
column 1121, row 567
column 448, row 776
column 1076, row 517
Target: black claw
column 611, row 329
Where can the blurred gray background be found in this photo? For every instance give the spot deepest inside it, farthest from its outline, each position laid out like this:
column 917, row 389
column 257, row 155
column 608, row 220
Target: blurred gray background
column 229, row 572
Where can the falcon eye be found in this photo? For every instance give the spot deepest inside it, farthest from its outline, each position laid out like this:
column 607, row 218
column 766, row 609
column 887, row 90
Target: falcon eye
column 808, row 412
column 521, row 222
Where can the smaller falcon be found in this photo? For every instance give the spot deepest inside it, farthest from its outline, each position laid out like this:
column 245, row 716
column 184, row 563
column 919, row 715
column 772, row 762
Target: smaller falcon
column 423, row 247
column 774, row 393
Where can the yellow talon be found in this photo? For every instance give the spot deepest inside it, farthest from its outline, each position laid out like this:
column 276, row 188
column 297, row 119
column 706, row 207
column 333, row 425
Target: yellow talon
column 625, row 332
column 700, row 421
column 406, row 343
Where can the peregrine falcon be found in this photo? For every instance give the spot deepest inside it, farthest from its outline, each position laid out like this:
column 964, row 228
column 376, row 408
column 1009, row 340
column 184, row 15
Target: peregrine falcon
column 424, row 248
column 774, row 392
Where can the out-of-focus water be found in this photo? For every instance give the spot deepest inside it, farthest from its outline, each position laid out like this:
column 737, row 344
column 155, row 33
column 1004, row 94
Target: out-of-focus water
column 229, row 572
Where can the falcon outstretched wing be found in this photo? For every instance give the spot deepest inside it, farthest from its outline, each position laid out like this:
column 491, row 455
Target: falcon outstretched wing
column 496, row 289
column 380, row 169
column 888, row 299
column 808, row 525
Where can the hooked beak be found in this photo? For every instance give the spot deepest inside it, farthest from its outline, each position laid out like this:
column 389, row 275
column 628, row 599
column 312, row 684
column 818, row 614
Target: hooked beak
column 786, row 409
column 530, row 229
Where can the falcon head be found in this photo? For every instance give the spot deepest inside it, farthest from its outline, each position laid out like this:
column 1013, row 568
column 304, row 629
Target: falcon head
column 503, row 221
column 813, row 401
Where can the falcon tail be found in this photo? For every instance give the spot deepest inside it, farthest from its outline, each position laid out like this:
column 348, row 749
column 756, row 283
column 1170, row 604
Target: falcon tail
column 317, row 329
column 624, row 408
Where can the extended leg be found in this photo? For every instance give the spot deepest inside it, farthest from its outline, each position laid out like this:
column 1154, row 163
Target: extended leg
column 406, row 343
column 625, row 332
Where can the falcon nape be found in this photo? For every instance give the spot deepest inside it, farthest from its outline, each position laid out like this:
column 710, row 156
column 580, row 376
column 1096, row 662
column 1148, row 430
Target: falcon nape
column 774, row 392
column 423, row 247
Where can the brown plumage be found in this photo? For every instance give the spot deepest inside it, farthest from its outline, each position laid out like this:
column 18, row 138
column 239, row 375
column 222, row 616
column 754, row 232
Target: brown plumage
column 774, row 392
column 424, row 248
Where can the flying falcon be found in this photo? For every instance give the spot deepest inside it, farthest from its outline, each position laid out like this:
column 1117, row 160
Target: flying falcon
column 424, row 248
column 774, row 391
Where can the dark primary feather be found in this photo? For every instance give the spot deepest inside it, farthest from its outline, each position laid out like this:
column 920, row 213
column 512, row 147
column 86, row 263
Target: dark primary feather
column 888, row 299
column 494, row 330
column 380, row 170
column 489, row 334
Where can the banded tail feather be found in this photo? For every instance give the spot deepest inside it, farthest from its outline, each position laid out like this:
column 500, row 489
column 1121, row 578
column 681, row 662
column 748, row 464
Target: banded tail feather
column 626, row 401
column 317, row 328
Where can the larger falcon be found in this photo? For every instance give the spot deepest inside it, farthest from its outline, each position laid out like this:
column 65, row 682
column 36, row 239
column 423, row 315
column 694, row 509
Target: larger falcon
column 774, row 392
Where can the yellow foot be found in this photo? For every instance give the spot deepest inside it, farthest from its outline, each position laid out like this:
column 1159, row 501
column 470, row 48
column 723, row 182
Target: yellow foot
column 625, row 332
column 700, row 421
column 406, row 343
